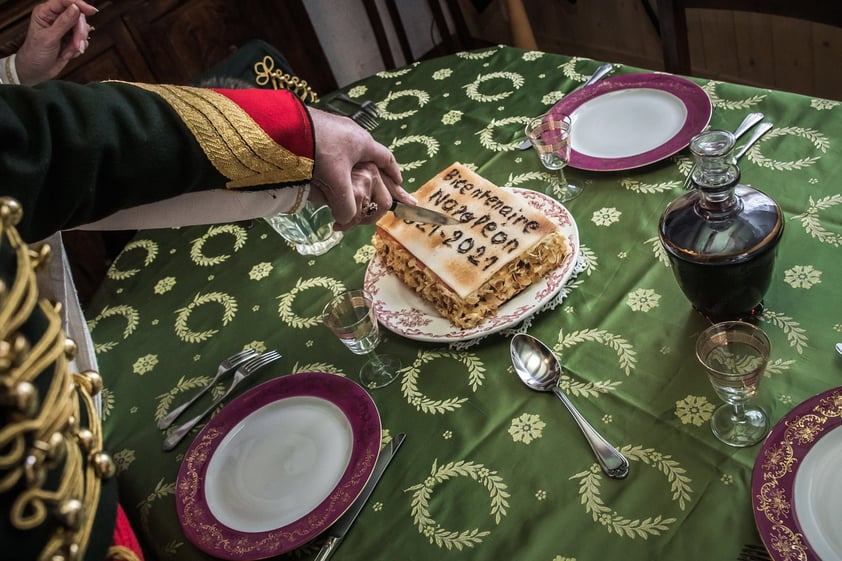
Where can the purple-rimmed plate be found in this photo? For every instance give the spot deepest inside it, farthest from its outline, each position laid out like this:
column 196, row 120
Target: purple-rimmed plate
column 401, row 310
column 277, row 466
column 796, row 484
column 629, row 121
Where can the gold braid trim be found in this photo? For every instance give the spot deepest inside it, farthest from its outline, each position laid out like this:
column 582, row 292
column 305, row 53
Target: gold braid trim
column 232, row 141
column 52, row 466
column 121, row 553
column 265, row 73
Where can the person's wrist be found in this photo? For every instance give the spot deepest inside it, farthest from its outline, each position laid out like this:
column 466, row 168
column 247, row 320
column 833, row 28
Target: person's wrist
column 8, row 70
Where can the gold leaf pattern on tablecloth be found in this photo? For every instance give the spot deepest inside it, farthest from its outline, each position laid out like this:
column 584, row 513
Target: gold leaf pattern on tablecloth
column 229, row 310
column 240, row 237
column 625, row 353
column 472, row 88
column 586, row 389
column 411, row 374
column 285, row 301
column 795, row 334
column 802, row 276
column 812, row 223
column 129, row 313
column 151, row 248
column 383, row 106
column 478, row 55
column 819, row 141
column 422, row 492
column 710, row 88
column 590, row 481
column 486, row 134
column 648, row 188
column 430, row 143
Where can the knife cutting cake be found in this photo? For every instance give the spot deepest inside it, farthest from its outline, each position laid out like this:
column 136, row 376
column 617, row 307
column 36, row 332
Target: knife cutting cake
column 468, row 271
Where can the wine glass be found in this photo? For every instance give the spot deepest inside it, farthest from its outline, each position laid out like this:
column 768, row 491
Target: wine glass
column 550, row 137
column 351, row 317
column 734, row 354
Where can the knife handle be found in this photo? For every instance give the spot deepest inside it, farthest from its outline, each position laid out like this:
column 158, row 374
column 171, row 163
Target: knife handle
column 328, row 548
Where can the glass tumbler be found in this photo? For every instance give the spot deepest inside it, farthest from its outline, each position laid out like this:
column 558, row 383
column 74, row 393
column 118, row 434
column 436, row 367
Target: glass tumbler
column 310, row 229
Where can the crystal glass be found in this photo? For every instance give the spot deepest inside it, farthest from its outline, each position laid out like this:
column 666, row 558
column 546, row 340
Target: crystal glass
column 351, row 317
column 310, row 229
column 550, row 137
column 722, row 236
column 734, row 354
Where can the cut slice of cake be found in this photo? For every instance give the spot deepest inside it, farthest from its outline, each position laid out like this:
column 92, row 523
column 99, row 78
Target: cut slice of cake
column 467, row 272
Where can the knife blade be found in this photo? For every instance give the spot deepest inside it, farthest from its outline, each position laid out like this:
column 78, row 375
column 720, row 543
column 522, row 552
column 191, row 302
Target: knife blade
column 338, row 529
column 421, row 214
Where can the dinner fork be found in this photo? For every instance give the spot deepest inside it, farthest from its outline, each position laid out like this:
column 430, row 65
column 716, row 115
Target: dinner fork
column 243, row 372
column 366, row 105
column 365, row 119
column 750, row 120
column 225, row 367
column 751, row 552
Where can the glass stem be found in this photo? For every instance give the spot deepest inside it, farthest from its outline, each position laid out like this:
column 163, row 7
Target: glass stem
column 739, row 410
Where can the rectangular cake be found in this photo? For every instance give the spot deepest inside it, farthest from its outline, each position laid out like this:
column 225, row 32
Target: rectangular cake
column 468, row 271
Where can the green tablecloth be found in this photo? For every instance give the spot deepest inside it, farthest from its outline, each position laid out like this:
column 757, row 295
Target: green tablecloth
column 491, row 470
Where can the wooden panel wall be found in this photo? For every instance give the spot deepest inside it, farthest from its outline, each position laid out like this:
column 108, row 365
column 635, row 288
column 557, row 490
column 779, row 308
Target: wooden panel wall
column 755, row 49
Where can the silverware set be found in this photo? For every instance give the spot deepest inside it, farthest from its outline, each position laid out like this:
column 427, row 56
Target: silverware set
column 750, row 120
column 364, row 112
column 244, row 364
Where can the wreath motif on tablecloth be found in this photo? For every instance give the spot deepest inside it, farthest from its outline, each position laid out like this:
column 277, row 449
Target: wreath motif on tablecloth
column 430, row 143
column 658, row 250
column 625, row 353
column 397, row 73
column 473, row 55
column 151, row 248
column 730, row 104
column 486, row 135
column 795, row 334
column 591, row 479
column 569, row 69
column 648, row 188
column 383, row 106
column 132, row 320
column 198, row 244
column 409, row 382
column 472, row 89
column 812, row 223
column 819, row 141
column 421, row 493
column 229, row 306
column 285, row 301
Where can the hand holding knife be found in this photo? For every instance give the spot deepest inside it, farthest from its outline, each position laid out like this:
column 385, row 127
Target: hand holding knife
column 337, row 531
column 421, row 214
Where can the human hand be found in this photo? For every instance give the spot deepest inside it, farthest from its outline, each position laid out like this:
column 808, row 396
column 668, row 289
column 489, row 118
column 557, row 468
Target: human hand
column 356, row 176
column 58, row 32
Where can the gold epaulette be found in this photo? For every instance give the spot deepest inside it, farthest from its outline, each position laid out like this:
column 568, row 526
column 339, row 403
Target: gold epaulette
column 51, row 459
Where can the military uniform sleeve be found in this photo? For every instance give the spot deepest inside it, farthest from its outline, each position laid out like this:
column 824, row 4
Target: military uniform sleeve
column 73, row 154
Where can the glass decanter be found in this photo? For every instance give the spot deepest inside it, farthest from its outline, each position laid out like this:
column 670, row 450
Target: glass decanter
column 722, row 236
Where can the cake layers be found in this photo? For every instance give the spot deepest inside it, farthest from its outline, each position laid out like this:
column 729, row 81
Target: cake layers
column 468, row 271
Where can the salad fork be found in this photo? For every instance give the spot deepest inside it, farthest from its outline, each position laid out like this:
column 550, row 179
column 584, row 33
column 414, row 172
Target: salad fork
column 225, row 366
column 243, row 372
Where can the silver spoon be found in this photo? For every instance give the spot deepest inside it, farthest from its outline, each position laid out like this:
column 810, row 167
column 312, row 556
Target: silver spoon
column 540, row 370
column 839, row 348
column 597, row 75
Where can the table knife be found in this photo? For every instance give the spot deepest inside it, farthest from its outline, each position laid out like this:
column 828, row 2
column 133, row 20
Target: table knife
column 421, row 214
column 337, row 531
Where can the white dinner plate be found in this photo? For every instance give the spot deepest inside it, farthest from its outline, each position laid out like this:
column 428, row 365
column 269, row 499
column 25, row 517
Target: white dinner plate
column 633, row 120
column 277, row 466
column 402, row 311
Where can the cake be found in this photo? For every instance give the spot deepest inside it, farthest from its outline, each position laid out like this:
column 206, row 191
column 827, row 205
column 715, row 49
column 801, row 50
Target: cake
column 468, row 271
